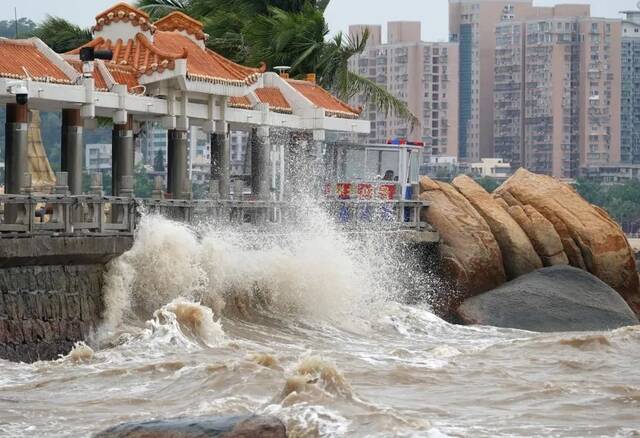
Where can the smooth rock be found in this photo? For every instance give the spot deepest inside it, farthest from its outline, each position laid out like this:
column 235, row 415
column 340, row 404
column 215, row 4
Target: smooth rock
column 541, row 233
column 470, row 255
column 556, row 299
column 591, row 239
column 205, row 427
column 518, row 254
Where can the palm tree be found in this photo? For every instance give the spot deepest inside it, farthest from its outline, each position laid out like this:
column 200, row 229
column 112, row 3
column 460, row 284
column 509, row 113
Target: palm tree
column 285, row 32
column 335, row 75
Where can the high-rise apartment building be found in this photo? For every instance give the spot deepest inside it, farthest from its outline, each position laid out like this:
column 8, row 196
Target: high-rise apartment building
column 472, row 23
column 557, row 91
column 630, row 111
column 423, row 74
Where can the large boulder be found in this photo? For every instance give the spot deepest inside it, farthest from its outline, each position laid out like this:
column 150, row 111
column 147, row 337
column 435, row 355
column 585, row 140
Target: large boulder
column 224, row 427
column 471, row 258
column 590, row 238
column 560, row 298
column 518, row 254
column 541, row 233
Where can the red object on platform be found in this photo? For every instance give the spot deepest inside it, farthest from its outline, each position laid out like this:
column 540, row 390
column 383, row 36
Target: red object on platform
column 387, row 191
column 343, row 190
column 365, row 191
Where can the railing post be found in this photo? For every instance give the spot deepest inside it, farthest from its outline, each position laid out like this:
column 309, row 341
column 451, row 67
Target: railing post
column 123, row 211
column 27, row 210
column 158, row 190
column 97, row 204
column 63, row 210
column 238, row 189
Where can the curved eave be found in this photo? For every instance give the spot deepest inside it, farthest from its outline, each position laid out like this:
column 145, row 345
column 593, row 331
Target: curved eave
column 220, row 87
column 342, row 115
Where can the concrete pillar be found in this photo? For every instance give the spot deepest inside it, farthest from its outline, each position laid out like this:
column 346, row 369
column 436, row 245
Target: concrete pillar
column 221, row 159
column 16, row 165
column 72, row 146
column 177, row 180
column 261, row 163
column 122, row 158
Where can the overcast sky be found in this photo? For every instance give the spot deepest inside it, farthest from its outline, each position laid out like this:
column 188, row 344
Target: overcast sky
column 341, row 13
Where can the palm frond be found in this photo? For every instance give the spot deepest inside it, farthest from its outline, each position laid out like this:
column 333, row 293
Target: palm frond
column 61, row 35
column 159, row 8
column 322, row 4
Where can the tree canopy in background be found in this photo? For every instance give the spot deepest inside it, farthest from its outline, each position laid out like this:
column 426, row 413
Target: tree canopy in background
column 61, row 35
column 26, row 28
column 621, row 201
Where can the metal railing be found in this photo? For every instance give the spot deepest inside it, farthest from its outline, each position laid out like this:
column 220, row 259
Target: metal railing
column 219, row 211
column 103, row 215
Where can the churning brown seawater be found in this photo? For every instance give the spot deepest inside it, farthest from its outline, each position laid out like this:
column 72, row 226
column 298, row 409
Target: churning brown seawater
column 308, row 327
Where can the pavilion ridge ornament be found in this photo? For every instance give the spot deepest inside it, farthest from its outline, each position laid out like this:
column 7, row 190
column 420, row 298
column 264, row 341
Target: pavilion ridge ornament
column 125, row 13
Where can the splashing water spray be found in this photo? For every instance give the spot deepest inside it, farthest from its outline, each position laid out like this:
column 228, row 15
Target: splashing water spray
column 306, row 266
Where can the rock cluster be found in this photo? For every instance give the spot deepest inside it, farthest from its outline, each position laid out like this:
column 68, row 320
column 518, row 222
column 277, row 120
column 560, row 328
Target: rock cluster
column 531, row 221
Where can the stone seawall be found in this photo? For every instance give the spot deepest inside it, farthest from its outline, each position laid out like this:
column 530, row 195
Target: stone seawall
column 51, row 292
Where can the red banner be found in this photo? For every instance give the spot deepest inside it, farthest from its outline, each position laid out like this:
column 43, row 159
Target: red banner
column 343, row 190
column 365, row 191
column 387, row 191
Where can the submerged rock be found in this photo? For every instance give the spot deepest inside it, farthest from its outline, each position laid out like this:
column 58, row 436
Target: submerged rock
column 471, row 258
column 518, row 254
column 224, row 427
column 591, row 239
column 555, row 299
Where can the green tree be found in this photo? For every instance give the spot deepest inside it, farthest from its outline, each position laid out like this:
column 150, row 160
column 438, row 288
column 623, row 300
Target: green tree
column 61, row 35
column 143, row 183
column 488, row 183
column 158, row 161
column 25, row 28
column 592, row 191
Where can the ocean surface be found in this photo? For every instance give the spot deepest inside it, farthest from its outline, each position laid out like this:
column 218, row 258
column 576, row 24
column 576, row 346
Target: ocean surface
column 310, row 326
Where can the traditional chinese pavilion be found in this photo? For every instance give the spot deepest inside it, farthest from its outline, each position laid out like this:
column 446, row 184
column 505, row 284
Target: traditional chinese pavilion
column 159, row 71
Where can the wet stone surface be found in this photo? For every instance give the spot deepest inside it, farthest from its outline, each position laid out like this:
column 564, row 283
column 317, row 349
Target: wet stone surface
column 222, row 427
column 45, row 309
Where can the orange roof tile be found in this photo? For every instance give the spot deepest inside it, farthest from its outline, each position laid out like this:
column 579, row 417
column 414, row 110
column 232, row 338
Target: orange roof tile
column 100, row 83
column 124, row 74
column 139, row 53
column 205, row 64
column 121, row 74
column 240, row 102
column 147, row 57
column 177, row 21
column 23, row 60
column 323, row 99
column 125, row 13
column 274, row 97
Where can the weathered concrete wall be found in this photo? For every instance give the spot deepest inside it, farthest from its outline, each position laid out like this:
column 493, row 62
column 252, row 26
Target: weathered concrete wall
column 51, row 292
